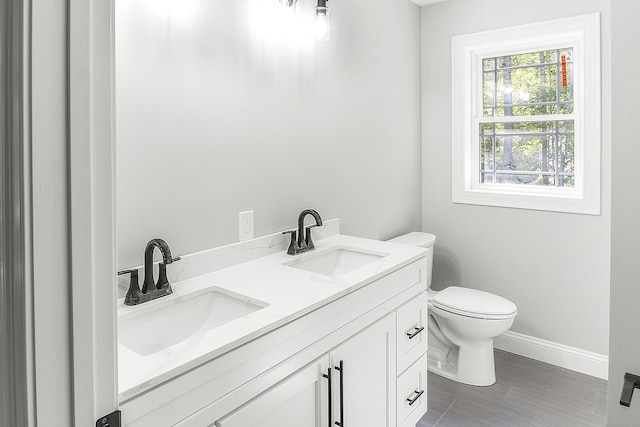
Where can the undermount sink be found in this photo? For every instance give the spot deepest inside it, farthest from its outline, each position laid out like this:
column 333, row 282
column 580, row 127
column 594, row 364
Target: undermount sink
column 335, row 262
column 182, row 320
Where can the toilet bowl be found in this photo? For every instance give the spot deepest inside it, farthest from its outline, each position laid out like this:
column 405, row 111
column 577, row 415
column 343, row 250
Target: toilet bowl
column 462, row 325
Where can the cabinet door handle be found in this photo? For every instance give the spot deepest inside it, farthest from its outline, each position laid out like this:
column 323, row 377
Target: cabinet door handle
column 415, row 332
column 329, row 403
column 415, row 398
column 341, row 370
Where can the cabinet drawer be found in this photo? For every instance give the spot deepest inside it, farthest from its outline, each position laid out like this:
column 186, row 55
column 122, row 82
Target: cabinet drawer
column 412, row 394
column 411, row 331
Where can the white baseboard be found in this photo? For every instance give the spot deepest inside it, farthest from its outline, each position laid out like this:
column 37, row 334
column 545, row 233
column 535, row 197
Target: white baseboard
column 575, row 359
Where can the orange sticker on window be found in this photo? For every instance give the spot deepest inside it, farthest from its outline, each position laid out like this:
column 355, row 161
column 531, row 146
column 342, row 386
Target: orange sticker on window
column 563, row 60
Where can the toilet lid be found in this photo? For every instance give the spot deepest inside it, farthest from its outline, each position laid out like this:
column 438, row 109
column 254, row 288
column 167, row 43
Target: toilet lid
column 474, row 303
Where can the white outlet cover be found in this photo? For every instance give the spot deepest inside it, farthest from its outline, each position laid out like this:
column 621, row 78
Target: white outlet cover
column 245, row 225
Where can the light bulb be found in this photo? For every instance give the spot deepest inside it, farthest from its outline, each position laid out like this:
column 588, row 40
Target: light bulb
column 322, row 25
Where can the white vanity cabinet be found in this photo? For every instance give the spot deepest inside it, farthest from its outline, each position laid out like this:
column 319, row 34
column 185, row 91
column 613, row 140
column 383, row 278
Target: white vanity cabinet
column 280, row 378
column 361, row 371
column 378, row 378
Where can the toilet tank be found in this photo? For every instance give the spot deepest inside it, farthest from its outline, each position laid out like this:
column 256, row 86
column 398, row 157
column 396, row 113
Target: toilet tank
column 423, row 240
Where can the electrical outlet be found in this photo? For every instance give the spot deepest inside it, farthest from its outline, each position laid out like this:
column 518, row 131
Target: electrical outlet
column 245, row 229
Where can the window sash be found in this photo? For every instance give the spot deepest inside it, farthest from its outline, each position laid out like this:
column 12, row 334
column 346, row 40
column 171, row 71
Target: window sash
column 476, row 154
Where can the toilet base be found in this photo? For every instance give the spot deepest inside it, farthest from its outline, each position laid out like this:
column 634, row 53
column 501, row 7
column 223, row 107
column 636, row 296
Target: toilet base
column 438, row 364
column 476, row 360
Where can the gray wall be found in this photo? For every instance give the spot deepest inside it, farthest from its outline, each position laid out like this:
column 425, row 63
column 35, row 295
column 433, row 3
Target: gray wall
column 213, row 119
column 553, row 266
column 625, row 203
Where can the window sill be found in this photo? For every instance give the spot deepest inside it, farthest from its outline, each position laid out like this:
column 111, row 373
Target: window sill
column 542, row 199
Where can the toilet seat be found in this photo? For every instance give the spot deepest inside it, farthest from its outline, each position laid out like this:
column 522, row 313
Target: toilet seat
column 473, row 303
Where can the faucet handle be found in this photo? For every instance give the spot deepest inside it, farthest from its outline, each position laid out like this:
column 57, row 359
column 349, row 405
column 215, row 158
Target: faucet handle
column 133, row 294
column 292, row 246
column 132, row 271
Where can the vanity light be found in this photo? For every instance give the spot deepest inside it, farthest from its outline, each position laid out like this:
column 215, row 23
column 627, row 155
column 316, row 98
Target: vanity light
column 322, row 25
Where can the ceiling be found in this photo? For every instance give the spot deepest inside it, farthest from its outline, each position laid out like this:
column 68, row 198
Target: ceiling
column 427, row 2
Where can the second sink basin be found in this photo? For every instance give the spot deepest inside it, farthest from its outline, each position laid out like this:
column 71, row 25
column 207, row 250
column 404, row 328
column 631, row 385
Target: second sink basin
column 182, row 319
column 335, row 262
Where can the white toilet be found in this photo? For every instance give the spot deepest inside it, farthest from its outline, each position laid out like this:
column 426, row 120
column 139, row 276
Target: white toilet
column 462, row 325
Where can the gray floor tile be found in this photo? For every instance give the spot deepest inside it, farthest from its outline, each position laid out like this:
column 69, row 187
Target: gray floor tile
column 463, row 413
column 439, row 399
column 528, row 393
column 430, row 419
column 547, row 410
column 600, row 407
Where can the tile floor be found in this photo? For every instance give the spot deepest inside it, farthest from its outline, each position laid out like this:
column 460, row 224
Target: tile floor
column 527, row 393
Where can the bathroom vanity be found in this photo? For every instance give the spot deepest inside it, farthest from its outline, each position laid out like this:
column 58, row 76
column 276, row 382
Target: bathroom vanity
column 325, row 338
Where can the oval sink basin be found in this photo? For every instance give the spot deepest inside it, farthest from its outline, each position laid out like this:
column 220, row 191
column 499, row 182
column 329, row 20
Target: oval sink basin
column 182, row 319
column 335, row 262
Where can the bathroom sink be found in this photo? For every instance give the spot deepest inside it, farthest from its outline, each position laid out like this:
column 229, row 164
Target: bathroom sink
column 182, row 320
column 335, row 262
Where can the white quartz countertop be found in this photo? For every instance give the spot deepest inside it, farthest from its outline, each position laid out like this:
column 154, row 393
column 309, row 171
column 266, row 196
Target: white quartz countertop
column 285, row 292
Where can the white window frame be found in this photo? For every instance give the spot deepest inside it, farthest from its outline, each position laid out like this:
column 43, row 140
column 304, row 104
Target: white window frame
column 582, row 33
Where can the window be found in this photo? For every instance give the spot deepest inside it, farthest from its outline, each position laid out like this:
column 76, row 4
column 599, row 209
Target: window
column 526, row 117
column 526, row 132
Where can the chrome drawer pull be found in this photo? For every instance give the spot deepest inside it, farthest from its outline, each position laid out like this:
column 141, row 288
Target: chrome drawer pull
column 412, row 401
column 415, row 332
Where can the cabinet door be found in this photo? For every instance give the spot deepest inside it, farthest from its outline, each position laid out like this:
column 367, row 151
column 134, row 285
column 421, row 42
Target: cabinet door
column 364, row 377
column 299, row 400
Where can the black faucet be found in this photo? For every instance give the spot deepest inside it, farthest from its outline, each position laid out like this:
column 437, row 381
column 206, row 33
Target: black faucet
column 301, row 245
column 150, row 289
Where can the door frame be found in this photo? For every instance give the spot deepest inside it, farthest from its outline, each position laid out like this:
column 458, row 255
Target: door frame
column 16, row 357
column 92, row 209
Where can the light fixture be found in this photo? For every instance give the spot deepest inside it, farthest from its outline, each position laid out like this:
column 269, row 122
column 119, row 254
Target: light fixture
column 288, row 3
column 322, row 25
